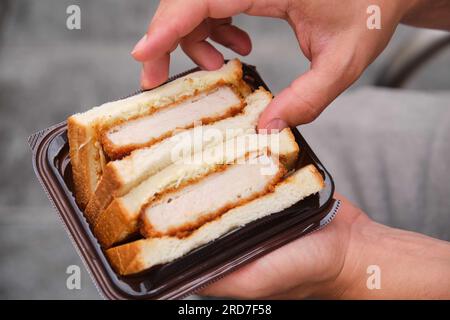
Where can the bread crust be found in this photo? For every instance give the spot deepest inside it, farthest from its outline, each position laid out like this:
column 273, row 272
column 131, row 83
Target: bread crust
column 107, row 189
column 290, row 159
column 114, row 225
column 84, row 160
column 128, row 259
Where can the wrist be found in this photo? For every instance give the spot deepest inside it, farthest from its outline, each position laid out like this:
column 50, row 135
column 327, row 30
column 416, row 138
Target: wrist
column 341, row 275
column 408, row 265
column 351, row 273
column 365, row 251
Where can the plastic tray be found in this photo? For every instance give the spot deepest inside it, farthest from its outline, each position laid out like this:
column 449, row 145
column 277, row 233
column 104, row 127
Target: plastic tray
column 201, row 266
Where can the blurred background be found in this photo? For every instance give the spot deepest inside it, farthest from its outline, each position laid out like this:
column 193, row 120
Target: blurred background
column 48, row 72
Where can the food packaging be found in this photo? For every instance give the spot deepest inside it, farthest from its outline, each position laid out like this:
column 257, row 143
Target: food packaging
column 200, row 267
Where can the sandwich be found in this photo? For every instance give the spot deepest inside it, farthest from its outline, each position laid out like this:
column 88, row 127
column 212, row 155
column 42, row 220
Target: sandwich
column 168, row 170
column 121, row 175
column 120, row 219
column 183, row 210
column 137, row 256
column 87, row 131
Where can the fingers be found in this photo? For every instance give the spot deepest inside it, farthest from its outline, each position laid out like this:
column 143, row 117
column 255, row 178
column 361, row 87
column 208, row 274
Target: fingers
column 155, row 72
column 232, row 37
column 199, row 50
column 172, row 21
column 236, row 285
column 273, row 273
column 177, row 18
column 320, row 256
column 180, row 21
column 300, row 103
column 204, row 55
column 254, row 280
column 219, row 30
column 332, row 71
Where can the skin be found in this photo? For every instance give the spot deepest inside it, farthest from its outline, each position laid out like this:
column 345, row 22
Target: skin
column 334, row 37
column 332, row 264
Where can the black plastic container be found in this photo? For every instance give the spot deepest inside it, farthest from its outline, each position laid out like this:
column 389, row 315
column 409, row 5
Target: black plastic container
column 201, row 266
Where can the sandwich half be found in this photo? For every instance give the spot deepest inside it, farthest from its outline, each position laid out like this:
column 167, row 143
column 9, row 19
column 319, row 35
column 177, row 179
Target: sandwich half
column 142, row 254
column 120, row 176
column 181, row 165
column 209, row 106
column 103, row 132
column 120, row 219
column 181, row 211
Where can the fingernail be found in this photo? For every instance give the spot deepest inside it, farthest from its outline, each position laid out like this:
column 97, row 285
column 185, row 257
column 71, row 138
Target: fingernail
column 140, row 45
column 276, row 125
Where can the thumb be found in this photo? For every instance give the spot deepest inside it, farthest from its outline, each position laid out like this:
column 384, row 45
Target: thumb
column 311, row 93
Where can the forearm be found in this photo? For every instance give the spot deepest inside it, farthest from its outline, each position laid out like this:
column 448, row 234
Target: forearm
column 412, row 266
column 428, row 14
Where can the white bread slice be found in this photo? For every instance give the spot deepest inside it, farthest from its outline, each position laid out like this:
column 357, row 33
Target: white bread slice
column 181, row 211
column 119, row 219
column 120, row 176
column 84, row 129
column 140, row 255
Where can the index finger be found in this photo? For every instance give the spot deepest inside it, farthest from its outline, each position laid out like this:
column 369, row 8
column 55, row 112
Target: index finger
column 174, row 19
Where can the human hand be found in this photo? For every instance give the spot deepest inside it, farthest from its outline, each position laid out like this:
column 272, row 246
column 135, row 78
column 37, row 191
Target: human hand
column 307, row 267
column 333, row 263
column 333, row 36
